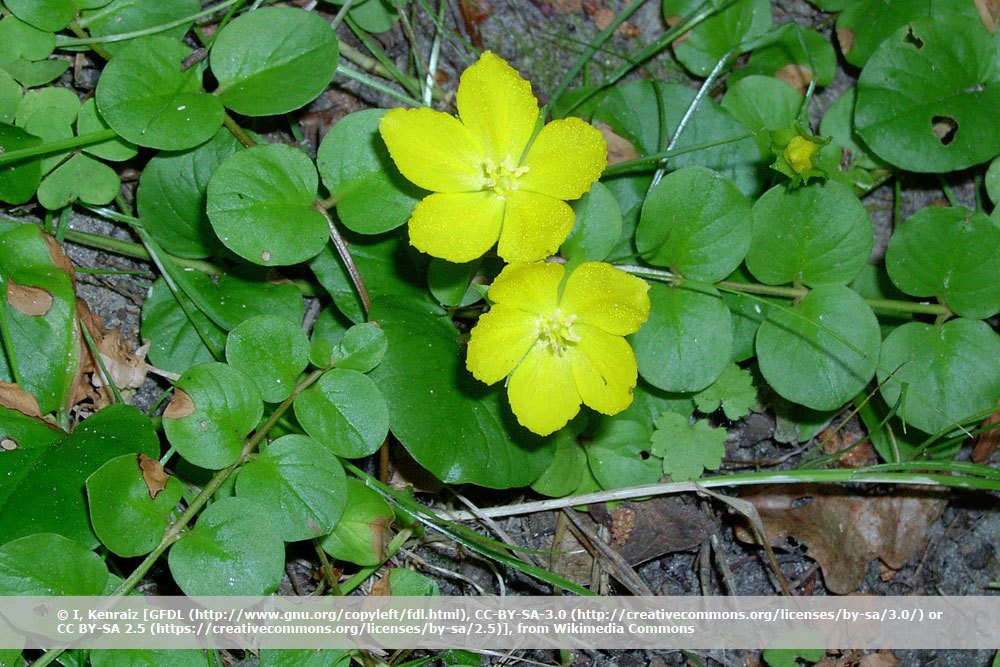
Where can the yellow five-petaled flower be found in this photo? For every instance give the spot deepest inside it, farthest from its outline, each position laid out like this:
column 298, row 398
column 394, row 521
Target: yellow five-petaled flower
column 559, row 349
column 487, row 183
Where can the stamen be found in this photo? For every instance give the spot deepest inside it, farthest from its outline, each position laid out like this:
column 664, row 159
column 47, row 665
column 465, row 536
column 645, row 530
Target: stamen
column 556, row 331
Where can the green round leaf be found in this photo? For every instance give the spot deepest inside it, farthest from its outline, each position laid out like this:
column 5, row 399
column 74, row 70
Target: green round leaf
column 19, row 180
column 35, row 73
column 619, row 455
column 950, row 373
column 568, row 466
column 817, row 234
column 146, row 98
column 363, row 533
column 234, row 549
column 485, row 445
column 763, row 104
column 376, row 16
column 21, row 40
column 123, row 16
column 824, row 351
column 47, row 15
column 148, row 657
column 924, row 98
column 696, row 223
column 371, row 195
column 273, row 60
column 361, row 348
column 90, row 121
column 261, row 202
column 952, row 254
column 172, row 192
column 59, row 471
column 214, row 407
column 10, row 97
column 688, row 339
column 301, row 482
column 270, row 350
column 597, row 228
column 709, row 41
column 345, row 412
column 27, row 567
column 81, row 177
column 403, row 582
column 126, row 519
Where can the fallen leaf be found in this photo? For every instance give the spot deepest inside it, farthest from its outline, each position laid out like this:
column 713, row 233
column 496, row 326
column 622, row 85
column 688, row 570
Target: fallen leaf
column 59, row 258
column 856, row 455
column 796, row 76
column 381, row 535
column 987, row 441
column 153, row 475
column 28, row 300
column 15, row 398
column 989, row 13
column 646, row 530
column 845, row 37
column 846, row 530
column 127, row 369
column 620, row 149
column 180, row 405
column 603, row 17
column 381, row 587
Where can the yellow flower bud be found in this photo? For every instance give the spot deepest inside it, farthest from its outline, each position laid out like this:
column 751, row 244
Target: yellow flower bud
column 799, row 154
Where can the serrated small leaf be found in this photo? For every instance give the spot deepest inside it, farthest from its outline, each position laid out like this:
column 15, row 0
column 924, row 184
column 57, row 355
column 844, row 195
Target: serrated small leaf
column 270, row 350
column 345, row 412
column 214, row 407
column 233, row 549
column 262, row 205
column 687, row 449
column 733, row 391
column 363, row 534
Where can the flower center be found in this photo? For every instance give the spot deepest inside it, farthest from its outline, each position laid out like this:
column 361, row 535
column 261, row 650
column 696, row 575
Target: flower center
column 556, row 331
column 503, row 178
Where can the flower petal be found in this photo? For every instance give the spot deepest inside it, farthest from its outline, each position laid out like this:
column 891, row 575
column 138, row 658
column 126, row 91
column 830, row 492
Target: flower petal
column 497, row 106
column 533, row 288
column 499, row 342
column 606, row 297
column 565, row 159
column 604, row 369
column 458, row 227
column 542, row 391
column 534, row 226
column 433, row 150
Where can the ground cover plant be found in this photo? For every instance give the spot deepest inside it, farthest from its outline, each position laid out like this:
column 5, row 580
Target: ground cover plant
column 567, row 291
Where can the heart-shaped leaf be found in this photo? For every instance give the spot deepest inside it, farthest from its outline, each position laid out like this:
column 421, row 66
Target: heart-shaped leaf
column 146, row 97
column 80, row 571
column 823, row 351
column 345, row 412
column 270, row 350
column 262, row 204
column 81, row 177
column 301, row 482
column 214, row 407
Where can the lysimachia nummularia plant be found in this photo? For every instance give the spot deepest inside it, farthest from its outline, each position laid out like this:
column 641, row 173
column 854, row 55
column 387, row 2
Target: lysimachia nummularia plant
column 458, row 276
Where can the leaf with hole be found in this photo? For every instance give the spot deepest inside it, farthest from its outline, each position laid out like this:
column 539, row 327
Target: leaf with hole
column 821, row 352
column 270, row 350
column 696, row 223
column 952, row 254
column 371, row 195
column 363, row 534
column 273, row 60
column 214, row 407
column 816, row 234
column 345, row 412
column 262, row 205
column 127, row 519
column 924, row 96
column 79, row 572
column 485, row 444
column 707, row 43
column 688, row 339
column 941, row 375
column 233, row 549
column 60, row 471
column 302, row 484
column 148, row 99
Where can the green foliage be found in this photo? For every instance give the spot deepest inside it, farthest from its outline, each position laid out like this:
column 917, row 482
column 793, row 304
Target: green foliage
column 271, row 351
column 125, row 16
column 733, row 391
column 362, row 535
column 80, row 571
column 710, row 40
column 687, row 449
column 345, row 412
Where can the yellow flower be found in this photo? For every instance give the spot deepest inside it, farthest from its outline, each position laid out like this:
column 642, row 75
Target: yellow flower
column 800, row 153
column 560, row 348
column 487, row 183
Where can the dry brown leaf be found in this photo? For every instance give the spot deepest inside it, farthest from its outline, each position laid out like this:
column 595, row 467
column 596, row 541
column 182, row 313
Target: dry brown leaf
column 602, row 18
column 987, row 441
column 15, row 398
column 381, row 587
column 28, row 300
column 846, row 530
column 153, row 475
column 571, row 559
column 845, row 37
column 381, row 535
column 645, row 530
column 796, row 76
column 855, row 455
column 620, row 149
column 180, row 405
column 59, row 258
column 128, row 370
column 567, row 6
column 989, row 12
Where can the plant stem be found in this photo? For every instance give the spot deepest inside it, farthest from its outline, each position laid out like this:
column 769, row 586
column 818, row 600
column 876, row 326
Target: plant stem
column 87, row 41
column 375, row 84
column 238, row 132
column 649, row 161
column 785, row 292
column 345, row 256
column 135, row 250
column 57, row 146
